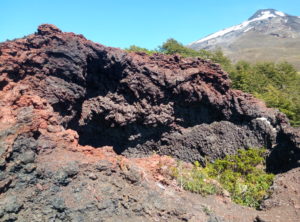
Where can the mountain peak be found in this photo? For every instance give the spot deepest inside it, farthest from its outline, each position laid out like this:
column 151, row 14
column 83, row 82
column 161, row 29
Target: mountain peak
column 267, row 35
column 266, row 13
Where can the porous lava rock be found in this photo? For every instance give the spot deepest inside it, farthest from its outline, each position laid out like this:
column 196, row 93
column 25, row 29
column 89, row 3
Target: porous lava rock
column 140, row 104
column 64, row 100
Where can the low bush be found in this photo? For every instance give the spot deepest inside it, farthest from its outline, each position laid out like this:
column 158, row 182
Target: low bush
column 242, row 175
column 135, row 48
column 195, row 179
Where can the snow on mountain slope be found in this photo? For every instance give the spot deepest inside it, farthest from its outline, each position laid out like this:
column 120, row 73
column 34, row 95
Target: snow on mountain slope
column 262, row 15
column 268, row 35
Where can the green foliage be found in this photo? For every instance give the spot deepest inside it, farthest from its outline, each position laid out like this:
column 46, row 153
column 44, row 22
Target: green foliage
column 242, row 175
column 171, row 46
column 135, row 48
column 217, row 56
column 195, row 180
column 277, row 84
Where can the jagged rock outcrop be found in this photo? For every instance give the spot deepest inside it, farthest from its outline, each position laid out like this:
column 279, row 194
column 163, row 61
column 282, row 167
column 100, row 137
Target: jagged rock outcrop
column 60, row 94
column 142, row 104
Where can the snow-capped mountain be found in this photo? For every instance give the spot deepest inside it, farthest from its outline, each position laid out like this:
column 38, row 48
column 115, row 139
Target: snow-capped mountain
column 267, row 35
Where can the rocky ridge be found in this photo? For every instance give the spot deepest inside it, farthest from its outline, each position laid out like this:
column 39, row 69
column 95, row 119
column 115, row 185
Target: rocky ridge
column 64, row 99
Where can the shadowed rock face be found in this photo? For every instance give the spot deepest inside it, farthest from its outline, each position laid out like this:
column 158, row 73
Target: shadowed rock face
column 141, row 104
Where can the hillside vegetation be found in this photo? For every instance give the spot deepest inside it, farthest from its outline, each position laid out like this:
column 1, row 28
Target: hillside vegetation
column 278, row 84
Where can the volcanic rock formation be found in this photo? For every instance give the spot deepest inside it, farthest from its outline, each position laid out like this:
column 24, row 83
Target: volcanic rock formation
column 140, row 104
column 60, row 94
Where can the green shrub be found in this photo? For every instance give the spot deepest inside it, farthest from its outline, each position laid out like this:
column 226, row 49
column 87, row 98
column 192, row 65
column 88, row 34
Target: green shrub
column 195, row 180
column 171, row 46
column 242, row 175
column 276, row 84
column 135, row 48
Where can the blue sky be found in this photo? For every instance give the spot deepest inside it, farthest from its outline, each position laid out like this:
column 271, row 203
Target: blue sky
column 121, row 23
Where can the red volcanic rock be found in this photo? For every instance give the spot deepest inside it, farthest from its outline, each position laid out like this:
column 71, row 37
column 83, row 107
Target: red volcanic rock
column 47, row 29
column 137, row 103
column 65, row 100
